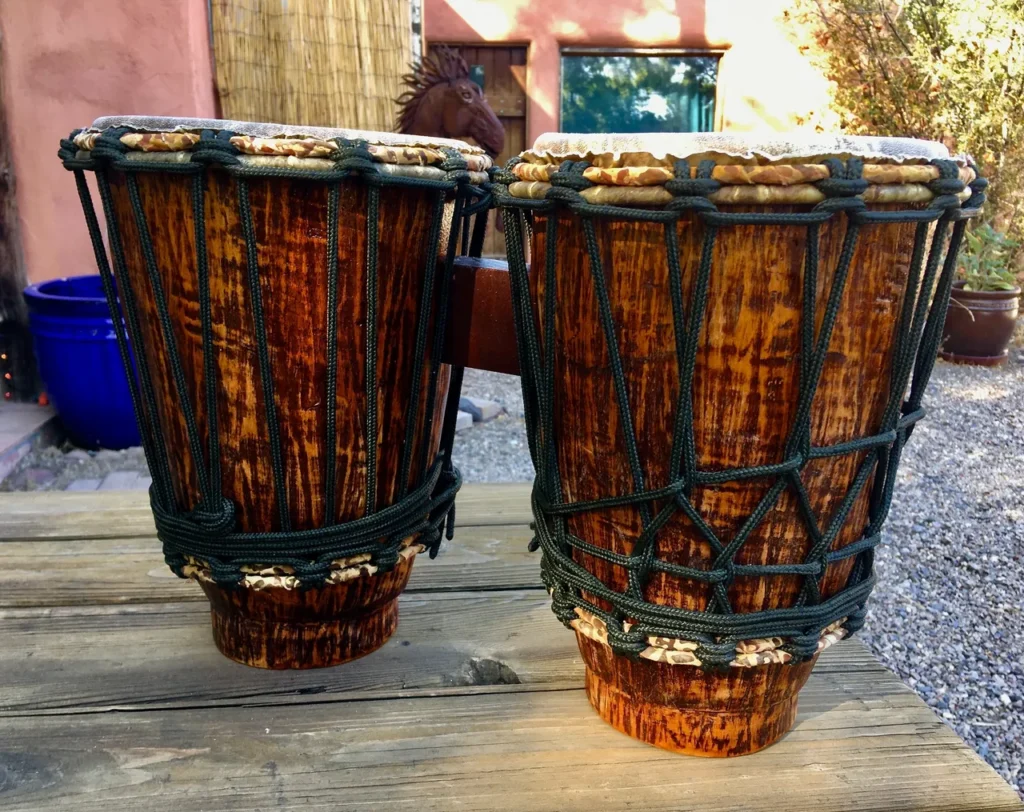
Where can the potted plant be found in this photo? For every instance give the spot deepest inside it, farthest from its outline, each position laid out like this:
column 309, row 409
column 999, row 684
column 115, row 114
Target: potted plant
column 984, row 301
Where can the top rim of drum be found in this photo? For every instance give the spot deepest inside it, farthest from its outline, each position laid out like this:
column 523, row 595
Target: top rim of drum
column 611, row 150
column 165, row 124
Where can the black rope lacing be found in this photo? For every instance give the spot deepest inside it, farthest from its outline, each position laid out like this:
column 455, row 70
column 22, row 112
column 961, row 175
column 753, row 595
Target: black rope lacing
column 718, row 628
column 425, row 508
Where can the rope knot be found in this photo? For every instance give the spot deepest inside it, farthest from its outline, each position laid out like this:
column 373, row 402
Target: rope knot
column 387, row 559
column 215, row 148
column 716, row 656
column 455, row 161
column 504, row 175
column 841, row 187
column 570, row 176
column 108, row 144
column 355, row 156
column 682, row 185
column 216, row 521
column 225, row 574
column 630, row 642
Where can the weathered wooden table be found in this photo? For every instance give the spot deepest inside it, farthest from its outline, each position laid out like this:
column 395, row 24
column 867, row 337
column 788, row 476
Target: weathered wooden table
column 112, row 696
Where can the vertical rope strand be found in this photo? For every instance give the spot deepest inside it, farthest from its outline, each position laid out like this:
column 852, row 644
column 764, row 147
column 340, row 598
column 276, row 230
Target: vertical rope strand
column 932, row 337
column 263, row 354
column 698, row 303
column 675, row 286
column 419, row 354
column 330, row 441
column 547, row 388
column 162, row 471
column 170, row 341
column 120, row 334
column 372, row 250
column 440, row 329
column 636, row 579
column 206, row 321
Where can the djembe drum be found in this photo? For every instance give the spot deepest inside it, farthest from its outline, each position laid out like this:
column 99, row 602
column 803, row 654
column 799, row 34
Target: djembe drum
column 284, row 308
column 724, row 343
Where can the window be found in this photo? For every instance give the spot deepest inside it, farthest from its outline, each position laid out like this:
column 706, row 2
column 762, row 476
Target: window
column 634, row 92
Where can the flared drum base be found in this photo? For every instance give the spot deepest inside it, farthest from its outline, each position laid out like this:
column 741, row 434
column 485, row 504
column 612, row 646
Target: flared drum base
column 686, row 710
column 280, row 628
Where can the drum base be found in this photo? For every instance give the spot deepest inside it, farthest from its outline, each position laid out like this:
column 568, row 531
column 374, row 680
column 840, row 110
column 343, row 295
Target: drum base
column 278, row 628
column 683, row 709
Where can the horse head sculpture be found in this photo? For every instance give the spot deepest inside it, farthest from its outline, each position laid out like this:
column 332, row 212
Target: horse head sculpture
column 443, row 101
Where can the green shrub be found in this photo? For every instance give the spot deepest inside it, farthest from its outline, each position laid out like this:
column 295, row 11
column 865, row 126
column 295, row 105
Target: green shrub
column 944, row 70
column 984, row 259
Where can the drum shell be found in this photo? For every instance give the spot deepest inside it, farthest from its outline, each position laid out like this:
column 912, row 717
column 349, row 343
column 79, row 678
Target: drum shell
column 290, row 223
column 745, row 393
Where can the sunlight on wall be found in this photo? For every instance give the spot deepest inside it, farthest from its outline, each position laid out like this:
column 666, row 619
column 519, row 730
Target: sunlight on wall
column 492, row 21
column 659, row 23
column 764, row 82
column 567, row 28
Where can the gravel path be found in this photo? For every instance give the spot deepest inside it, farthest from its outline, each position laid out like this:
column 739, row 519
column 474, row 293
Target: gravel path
column 948, row 613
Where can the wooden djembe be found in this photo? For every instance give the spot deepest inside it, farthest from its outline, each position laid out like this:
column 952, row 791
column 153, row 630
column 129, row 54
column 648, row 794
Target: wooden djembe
column 285, row 307
column 724, row 343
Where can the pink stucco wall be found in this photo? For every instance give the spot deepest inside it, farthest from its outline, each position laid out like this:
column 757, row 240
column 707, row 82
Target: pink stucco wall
column 67, row 62
column 764, row 83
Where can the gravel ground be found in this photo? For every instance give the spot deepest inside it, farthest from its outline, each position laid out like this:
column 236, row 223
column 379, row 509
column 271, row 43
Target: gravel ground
column 496, row 451
column 948, row 613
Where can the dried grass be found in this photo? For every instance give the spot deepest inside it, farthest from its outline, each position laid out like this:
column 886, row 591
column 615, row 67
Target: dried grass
column 331, row 63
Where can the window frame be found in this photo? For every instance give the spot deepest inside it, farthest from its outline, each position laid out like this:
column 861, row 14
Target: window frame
column 589, row 50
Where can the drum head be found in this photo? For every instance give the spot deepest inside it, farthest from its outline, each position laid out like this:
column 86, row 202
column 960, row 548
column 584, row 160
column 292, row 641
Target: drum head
column 158, row 124
column 749, row 169
column 663, row 149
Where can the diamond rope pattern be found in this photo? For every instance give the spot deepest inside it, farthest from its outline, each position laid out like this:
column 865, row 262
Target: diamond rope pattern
column 718, row 628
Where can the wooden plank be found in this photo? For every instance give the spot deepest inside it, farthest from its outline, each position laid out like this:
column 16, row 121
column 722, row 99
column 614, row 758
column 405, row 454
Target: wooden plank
column 132, row 570
column 88, row 659
column 500, row 751
column 120, row 514
column 100, row 658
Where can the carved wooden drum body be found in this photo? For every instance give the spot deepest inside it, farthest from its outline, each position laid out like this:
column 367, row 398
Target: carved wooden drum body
column 284, row 309
column 724, row 343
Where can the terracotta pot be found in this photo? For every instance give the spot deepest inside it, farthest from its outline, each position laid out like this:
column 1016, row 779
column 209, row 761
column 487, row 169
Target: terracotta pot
column 979, row 325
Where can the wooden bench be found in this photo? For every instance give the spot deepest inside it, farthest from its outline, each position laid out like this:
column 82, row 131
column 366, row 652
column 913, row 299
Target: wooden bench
column 114, row 699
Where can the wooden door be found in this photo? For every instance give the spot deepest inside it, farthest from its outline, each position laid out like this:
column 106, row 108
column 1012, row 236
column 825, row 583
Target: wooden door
column 504, row 85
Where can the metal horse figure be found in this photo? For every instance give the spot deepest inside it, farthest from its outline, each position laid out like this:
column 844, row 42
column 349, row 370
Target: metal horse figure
column 443, row 101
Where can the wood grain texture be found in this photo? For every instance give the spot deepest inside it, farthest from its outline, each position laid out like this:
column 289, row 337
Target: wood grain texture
column 481, row 330
column 500, row 750
column 745, row 393
column 101, row 658
column 290, row 222
column 697, row 713
column 89, row 659
column 129, row 707
column 132, row 570
column 312, row 628
column 120, row 514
